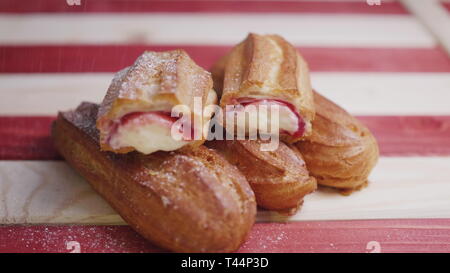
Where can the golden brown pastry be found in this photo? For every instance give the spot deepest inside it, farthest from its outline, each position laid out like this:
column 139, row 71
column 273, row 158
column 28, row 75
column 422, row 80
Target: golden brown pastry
column 341, row 151
column 185, row 201
column 267, row 70
column 139, row 101
column 279, row 178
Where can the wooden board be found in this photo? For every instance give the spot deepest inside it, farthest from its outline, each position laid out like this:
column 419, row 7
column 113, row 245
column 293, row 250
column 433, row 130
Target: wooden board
column 366, row 236
column 28, row 94
column 385, row 31
column 379, row 62
column 401, row 187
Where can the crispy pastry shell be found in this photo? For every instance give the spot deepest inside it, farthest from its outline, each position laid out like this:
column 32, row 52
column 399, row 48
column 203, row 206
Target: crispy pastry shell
column 341, row 151
column 185, row 201
column 157, row 81
column 266, row 66
column 279, row 178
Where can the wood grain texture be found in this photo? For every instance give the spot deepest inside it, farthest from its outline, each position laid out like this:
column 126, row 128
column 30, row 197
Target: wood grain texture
column 368, row 93
column 360, row 236
column 224, row 6
column 400, row 187
column 112, row 58
column 49, row 192
column 355, row 38
column 316, row 29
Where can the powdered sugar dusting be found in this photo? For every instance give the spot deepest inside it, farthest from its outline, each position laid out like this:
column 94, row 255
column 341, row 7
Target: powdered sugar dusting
column 267, row 242
column 113, row 91
column 84, row 118
column 73, row 239
column 153, row 73
column 149, row 73
column 166, row 201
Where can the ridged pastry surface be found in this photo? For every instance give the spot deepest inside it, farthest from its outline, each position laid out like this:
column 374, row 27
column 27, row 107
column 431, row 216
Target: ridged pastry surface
column 279, row 178
column 157, row 79
column 266, row 67
column 156, row 82
column 185, row 201
column 341, row 151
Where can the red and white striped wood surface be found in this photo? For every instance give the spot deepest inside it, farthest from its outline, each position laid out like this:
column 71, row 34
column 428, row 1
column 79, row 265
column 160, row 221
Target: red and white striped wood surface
column 381, row 63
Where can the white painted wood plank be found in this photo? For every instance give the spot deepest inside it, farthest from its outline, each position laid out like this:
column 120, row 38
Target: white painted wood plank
column 434, row 16
column 360, row 93
column 401, row 187
column 210, row 28
column 46, row 94
column 387, row 93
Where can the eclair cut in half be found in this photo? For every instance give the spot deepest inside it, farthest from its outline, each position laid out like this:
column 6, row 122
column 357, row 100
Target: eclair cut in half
column 136, row 111
column 267, row 70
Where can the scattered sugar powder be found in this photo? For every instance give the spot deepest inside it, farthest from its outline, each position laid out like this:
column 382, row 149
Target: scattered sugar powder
column 166, row 202
column 73, row 239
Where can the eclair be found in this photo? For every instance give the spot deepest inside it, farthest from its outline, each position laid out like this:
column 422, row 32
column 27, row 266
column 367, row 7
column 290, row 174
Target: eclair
column 190, row 200
column 278, row 178
column 136, row 113
column 341, row 151
column 266, row 70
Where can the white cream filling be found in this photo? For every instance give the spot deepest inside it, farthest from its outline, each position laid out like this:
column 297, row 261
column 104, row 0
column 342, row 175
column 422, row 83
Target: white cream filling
column 145, row 138
column 288, row 120
column 257, row 118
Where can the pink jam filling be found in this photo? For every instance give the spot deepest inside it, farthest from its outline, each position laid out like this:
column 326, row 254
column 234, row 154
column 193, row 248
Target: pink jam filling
column 301, row 123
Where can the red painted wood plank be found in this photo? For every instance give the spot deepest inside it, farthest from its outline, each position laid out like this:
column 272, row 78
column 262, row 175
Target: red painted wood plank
column 412, row 235
column 410, row 135
column 111, row 58
column 100, row 6
column 446, row 5
column 28, row 138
